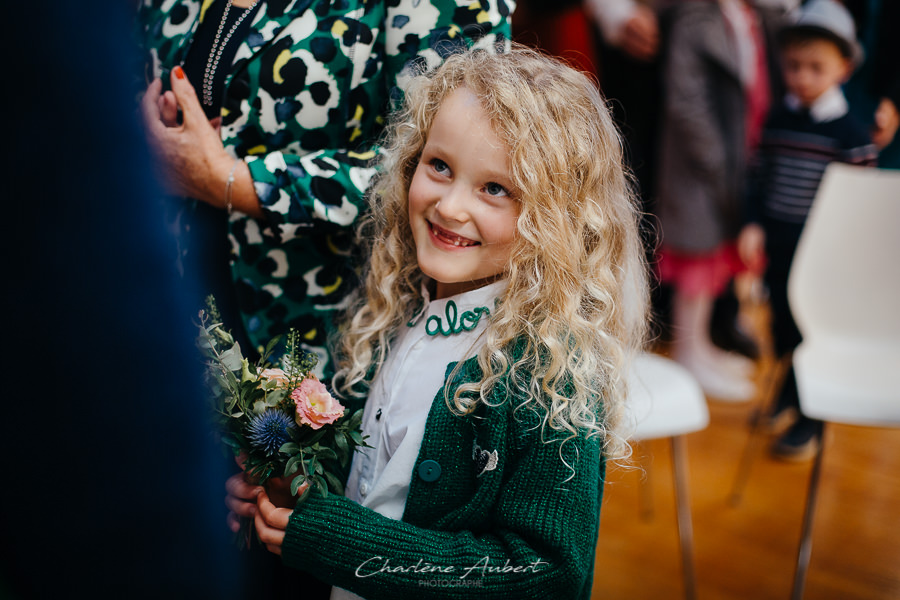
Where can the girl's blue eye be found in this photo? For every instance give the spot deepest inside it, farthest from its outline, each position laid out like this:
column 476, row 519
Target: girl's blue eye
column 439, row 166
column 495, row 189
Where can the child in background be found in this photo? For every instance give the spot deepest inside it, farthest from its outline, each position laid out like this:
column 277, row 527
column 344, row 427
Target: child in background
column 811, row 128
column 716, row 94
column 505, row 294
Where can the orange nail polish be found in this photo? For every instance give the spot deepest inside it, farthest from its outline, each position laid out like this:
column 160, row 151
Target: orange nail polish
column 179, row 72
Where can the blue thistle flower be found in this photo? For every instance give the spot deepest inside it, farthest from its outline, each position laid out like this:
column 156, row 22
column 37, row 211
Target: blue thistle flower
column 269, row 431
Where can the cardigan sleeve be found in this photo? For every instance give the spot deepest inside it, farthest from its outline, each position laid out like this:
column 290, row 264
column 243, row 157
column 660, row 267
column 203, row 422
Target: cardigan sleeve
column 327, row 187
column 537, row 539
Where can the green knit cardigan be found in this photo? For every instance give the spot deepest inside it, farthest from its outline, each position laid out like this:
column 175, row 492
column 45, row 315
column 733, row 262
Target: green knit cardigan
column 495, row 510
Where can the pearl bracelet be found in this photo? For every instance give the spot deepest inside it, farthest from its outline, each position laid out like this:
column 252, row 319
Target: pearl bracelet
column 228, row 185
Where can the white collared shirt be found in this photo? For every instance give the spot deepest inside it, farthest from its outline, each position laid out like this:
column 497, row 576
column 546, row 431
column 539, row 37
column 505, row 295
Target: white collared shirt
column 831, row 105
column 742, row 21
column 402, row 394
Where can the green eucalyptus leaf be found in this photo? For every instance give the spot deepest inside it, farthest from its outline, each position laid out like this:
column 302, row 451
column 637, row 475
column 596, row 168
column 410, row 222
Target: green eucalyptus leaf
column 232, row 358
column 334, row 483
column 321, row 486
column 228, row 441
column 205, row 342
column 231, row 382
column 292, row 465
column 356, row 420
column 314, row 439
column 290, row 448
column 275, row 396
column 326, row 454
column 271, row 345
column 341, row 442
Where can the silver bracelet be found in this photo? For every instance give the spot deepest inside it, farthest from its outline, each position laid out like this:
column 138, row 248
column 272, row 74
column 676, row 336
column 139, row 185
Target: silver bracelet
column 228, row 185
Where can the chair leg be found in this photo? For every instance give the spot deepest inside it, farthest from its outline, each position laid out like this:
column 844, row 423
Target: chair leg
column 805, row 549
column 646, row 484
column 774, row 381
column 683, row 511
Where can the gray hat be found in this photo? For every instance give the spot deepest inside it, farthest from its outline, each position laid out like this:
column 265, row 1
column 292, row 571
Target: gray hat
column 833, row 21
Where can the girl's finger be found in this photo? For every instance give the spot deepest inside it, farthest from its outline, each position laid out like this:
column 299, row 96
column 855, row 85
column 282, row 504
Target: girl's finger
column 234, row 523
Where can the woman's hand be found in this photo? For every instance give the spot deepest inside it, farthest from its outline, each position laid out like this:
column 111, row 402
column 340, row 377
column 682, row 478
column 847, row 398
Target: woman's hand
column 272, row 521
column 241, row 499
column 278, row 491
column 195, row 161
column 640, row 35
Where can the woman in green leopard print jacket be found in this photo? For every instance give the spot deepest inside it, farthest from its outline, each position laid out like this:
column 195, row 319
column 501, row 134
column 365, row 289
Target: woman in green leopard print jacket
column 286, row 143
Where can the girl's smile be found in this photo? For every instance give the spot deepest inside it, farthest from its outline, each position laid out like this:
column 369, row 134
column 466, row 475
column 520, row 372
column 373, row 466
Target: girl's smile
column 448, row 238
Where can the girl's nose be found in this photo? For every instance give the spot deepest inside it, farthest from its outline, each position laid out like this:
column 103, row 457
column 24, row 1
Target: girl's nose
column 453, row 205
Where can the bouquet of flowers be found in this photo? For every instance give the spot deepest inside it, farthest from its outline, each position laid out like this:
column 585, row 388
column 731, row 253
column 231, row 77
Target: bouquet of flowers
column 281, row 420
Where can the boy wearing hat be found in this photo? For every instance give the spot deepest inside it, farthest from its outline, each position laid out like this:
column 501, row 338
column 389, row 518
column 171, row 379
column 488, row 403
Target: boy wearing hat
column 811, row 128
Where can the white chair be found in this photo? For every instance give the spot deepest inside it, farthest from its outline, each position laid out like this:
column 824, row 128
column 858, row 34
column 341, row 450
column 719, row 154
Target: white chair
column 844, row 293
column 666, row 401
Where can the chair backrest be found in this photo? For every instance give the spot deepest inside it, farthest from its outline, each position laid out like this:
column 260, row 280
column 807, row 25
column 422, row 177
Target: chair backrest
column 664, row 399
column 845, row 277
column 844, row 293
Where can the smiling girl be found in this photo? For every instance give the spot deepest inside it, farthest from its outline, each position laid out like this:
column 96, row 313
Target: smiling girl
column 505, row 294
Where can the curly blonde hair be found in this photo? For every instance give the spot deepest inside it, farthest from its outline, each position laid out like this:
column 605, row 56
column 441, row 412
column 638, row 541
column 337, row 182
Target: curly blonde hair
column 575, row 305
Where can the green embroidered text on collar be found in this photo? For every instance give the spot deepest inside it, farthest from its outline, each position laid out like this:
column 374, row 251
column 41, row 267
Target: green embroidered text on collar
column 456, row 323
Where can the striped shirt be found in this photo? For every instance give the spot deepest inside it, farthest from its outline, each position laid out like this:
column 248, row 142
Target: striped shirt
column 796, row 147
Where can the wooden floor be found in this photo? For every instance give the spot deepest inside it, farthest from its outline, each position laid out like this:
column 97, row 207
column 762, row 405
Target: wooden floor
column 748, row 551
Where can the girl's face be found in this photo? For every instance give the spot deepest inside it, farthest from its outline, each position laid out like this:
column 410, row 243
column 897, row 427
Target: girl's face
column 462, row 207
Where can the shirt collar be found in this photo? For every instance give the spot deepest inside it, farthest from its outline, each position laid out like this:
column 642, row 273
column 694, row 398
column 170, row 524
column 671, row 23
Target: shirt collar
column 484, row 296
column 831, row 105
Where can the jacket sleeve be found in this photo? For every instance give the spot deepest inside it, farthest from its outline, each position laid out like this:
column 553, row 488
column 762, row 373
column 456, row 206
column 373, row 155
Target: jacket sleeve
column 860, row 150
column 688, row 106
column 328, row 185
column 537, row 541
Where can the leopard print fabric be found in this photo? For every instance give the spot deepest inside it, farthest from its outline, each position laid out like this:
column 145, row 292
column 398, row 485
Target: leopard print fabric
column 305, row 103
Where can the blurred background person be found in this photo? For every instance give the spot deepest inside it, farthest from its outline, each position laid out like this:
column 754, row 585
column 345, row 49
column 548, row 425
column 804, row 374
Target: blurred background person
column 718, row 81
column 629, row 38
column 809, row 128
column 105, row 430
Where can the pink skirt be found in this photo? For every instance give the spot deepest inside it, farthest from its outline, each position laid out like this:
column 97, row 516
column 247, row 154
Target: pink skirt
column 700, row 274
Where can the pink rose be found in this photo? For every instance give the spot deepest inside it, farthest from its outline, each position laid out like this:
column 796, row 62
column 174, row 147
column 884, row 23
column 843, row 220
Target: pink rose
column 276, row 375
column 315, row 406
